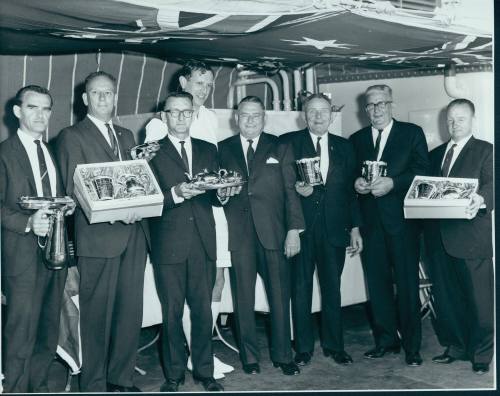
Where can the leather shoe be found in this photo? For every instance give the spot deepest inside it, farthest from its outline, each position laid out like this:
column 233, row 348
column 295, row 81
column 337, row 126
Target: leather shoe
column 120, row 388
column 209, row 383
column 251, row 368
column 288, row 368
column 414, row 359
column 443, row 358
column 172, row 385
column 340, row 357
column 480, row 368
column 380, row 351
column 303, row 358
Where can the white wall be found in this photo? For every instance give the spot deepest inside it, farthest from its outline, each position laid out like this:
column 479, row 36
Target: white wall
column 418, row 99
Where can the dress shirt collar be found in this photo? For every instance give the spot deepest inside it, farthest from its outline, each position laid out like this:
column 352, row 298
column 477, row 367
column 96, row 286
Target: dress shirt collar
column 460, row 144
column 385, row 131
column 177, row 142
column 323, row 141
column 101, row 125
column 245, row 143
column 26, row 138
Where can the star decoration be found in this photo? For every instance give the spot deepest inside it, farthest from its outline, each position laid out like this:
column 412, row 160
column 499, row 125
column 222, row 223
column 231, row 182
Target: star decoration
column 320, row 44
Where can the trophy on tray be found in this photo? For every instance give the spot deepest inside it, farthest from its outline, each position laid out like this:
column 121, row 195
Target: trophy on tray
column 371, row 170
column 55, row 248
column 145, row 150
column 310, row 171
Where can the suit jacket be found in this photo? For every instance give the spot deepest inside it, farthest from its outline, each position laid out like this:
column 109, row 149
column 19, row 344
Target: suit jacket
column 83, row 143
column 406, row 155
column 464, row 238
column 172, row 232
column 19, row 248
column 342, row 211
column 269, row 192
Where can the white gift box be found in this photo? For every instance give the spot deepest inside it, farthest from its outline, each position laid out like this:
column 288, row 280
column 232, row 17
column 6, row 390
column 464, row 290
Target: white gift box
column 439, row 197
column 111, row 191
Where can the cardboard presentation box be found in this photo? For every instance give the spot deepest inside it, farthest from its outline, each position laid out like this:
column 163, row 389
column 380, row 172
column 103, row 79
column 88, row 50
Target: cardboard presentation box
column 110, row 191
column 439, row 197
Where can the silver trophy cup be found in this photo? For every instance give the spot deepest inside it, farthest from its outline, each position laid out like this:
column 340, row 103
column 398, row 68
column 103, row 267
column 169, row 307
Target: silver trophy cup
column 310, row 171
column 373, row 169
column 103, row 187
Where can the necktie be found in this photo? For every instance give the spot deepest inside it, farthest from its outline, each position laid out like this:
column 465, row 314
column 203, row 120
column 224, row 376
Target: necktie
column 318, row 147
column 44, row 174
column 447, row 161
column 184, row 156
column 112, row 140
column 377, row 143
column 250, row 155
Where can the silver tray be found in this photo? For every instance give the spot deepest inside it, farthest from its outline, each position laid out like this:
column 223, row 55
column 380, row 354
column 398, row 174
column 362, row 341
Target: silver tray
column 215, row 186
column 44, row 202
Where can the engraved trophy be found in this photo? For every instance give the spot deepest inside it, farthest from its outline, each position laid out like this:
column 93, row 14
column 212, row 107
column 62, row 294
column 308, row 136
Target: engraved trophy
column 310, row 171
column 103, row 186
column 373, row 169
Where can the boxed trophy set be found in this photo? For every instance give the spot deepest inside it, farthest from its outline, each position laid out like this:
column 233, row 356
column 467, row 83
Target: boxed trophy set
column 439, row 197
column 110, row 191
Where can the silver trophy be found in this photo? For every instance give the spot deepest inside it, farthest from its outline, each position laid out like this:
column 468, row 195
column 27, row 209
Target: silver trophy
column 103, row 186
column 373, row 169
column 310, row 171
column 130, row 186
column 145, row 151
column 55, row 248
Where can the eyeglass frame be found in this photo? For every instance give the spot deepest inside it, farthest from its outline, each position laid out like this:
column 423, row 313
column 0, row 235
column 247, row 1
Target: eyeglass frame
column 379, row 105
column 178, row 112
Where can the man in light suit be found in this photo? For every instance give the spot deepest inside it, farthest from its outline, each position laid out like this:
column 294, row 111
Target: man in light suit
column 111, row 256
column 390, row 241
column 184, row 247
column 264, row 222
column 460, row 250
column 33, row 292
column 332, row 218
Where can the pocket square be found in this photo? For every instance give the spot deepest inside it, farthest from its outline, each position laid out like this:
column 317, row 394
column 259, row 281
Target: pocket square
column 272, row 160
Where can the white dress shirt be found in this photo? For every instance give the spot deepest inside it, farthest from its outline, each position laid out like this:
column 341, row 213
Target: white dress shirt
column 325, row 155
column 31, row 148
column 383, row 138
column 456, row 152
column 245, row 144
column 104, row 131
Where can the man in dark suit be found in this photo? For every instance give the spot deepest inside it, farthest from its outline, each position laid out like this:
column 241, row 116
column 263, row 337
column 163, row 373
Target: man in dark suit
column 264, row 222
column 332, row 216
column 184, row 248
column 390, row 241
column 33, row 292
column 460, row 251
column 111, row 256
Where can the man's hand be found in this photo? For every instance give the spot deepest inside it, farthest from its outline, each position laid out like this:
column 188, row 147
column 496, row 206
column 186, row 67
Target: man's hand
column 131, row 218
column 381, row 186
column 187, row 191
column 474, row 205
column 292, row 243
column 356, row 246
column 39, row 222
column 224, row 193
column 303, row 188
column 362, row 186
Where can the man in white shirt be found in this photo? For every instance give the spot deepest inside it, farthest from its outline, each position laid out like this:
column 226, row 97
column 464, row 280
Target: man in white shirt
column 111, row 256
column 33, row 292
column 197, row 78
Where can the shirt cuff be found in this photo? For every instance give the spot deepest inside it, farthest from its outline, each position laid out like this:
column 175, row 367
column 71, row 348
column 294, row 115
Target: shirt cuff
column 175, row 197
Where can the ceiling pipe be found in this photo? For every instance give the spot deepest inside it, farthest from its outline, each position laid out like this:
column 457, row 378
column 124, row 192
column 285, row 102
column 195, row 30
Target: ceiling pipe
column 297, row 86
column 247, row 81
column 452, row 86
column 287, row 103
column 310, row 84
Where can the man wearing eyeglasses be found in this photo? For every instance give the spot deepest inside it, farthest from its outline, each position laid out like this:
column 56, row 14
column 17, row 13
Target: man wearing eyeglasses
column 332, row 216
column 264, row 222
column 183, row 248
column 391, row 252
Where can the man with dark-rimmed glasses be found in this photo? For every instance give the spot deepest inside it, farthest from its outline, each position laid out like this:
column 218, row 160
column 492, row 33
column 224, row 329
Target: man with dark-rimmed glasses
column 391, row 253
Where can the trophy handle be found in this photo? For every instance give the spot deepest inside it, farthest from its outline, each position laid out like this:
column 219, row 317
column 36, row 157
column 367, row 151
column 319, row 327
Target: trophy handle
column 39, row 244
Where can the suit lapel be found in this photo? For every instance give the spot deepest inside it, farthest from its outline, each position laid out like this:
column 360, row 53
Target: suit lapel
column 96, row 135
column 196, row 158
column 457, row 165
column 237, row 151
column 261, row 153
column 24, row 162
column 392, row 140
column 307, row 149
column 334, row 156
column 170, row 150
